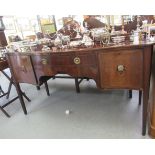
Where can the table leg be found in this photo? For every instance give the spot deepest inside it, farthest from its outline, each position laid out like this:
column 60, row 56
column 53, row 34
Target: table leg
column 130, row 93
column 140, row 96
column 47, row 89
column 77, row 85
column 144, row 112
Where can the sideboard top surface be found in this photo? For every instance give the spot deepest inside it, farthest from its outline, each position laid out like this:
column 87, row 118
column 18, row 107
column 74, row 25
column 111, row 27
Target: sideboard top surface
column 90, row 49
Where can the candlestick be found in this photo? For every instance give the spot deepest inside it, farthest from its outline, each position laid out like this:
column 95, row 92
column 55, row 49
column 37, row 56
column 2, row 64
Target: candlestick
column 123, row 31
column 112, row 20
column 138, row 24
column 112, row 23
column 108, row 21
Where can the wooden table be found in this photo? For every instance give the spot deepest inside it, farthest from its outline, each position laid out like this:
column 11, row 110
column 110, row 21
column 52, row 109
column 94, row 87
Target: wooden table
column 125, row 66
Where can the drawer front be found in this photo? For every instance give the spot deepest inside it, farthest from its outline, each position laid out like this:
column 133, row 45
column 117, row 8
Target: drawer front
column 52, row 64
column 22, row 69
column 86, row 59
column 64, row 64
column 83, row 64
column 121, row 69
column 74, row 59
column 87, row 66
column 42, row 65
column 62, row 59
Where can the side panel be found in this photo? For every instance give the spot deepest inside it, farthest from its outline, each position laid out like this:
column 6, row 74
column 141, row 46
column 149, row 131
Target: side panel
column 22, row 69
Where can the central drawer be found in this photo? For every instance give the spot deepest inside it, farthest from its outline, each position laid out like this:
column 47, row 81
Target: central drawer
column 62, row 59
column 121, row 69
column 87, row 66
column 82, row 64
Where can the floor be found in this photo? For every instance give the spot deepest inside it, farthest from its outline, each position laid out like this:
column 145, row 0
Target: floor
column 93, row 113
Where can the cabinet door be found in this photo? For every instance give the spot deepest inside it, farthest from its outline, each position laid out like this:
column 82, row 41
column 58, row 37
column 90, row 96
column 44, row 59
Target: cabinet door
column 121, row 69
column 22, row 69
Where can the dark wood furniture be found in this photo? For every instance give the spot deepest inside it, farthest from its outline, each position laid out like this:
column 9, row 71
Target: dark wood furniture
column 3, row 66
column 24, row 72
column 125, row 66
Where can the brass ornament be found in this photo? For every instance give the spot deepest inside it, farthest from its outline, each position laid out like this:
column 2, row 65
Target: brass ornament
column 120, row 68
column 44, row 61
column 77, row 60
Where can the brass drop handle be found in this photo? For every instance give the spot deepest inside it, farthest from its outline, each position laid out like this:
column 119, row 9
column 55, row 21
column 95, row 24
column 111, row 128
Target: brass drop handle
column 44, row 61
column 77, row 60
column 120, row 68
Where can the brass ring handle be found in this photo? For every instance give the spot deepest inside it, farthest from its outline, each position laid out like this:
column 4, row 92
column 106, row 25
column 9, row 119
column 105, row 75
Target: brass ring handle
column 44, row 61
column 120, row 68
column 77, row 60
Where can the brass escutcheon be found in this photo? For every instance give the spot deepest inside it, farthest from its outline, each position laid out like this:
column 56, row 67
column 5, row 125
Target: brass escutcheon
column 120, row 68
column 44, row 61
column 77, row 60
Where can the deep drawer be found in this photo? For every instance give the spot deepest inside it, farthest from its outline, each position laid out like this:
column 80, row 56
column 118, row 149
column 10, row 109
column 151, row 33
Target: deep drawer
column 121, row 69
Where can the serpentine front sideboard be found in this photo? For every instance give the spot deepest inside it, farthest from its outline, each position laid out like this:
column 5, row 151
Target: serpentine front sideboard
column 126, row 66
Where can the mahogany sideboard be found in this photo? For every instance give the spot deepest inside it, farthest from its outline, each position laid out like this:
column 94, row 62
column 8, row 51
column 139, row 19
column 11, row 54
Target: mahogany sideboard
column 126, row 66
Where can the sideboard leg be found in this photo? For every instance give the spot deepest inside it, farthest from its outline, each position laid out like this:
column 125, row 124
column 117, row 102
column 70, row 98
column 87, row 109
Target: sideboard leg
column 140, row 96
column 47, row 89
column 20, row 95
column 38, row 87
column 147, row 55
column 130, row 93
column 77, row 85
column 144, row 112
